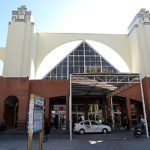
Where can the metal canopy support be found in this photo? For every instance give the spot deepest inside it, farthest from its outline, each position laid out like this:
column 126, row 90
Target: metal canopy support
column 115, row 80
column 70, row 108
column 144, row 111
column 112, row 112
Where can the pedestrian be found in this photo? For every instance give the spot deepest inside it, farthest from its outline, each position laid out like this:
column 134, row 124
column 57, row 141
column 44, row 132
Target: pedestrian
column 142, row 122
column 46, row 130
column 127, row 123
column 109, row 121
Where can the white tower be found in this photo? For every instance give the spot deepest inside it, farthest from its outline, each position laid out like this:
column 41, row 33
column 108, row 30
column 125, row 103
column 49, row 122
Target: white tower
column 21, row 44
column 139, row 41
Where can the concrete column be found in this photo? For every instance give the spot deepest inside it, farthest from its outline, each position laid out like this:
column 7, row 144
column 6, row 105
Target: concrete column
column 104, row 109
column 67, row 111
column 47, row 113
column 128, row 111
column 2, row 104
column 108, row 107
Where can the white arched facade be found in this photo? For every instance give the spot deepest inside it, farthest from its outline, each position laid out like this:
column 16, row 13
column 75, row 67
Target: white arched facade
column 55, row 56
column 27, row 52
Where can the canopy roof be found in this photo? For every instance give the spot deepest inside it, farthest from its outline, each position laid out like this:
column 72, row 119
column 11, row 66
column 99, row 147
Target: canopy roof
column 101, row 83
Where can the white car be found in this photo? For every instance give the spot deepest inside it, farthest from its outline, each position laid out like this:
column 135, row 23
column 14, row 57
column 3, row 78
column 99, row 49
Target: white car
column 91, row 126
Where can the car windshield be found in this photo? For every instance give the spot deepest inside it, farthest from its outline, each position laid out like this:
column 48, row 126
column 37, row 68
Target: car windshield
column 86, row 123
column 81, row 123
column 94, row 123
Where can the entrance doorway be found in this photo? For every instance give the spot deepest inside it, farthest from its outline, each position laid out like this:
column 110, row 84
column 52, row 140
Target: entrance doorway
column 11, row 112
column 58, row 117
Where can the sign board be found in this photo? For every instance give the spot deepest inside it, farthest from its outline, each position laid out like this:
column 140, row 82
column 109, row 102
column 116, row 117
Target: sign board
column 36, row 117
column 36, row 111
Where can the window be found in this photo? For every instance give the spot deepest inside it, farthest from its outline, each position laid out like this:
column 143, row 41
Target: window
column 86, row 123
column 83, row 58
column 94, row 123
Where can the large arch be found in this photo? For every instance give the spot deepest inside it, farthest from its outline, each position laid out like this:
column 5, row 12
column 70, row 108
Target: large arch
column 48, row 42
column 11, row 111
column 55, row 56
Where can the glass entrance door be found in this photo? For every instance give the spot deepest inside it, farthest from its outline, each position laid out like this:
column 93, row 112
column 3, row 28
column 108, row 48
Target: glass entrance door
column 58, row 117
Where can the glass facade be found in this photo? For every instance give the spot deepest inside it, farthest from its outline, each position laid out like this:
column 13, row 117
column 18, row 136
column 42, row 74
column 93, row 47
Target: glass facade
column 83, row 59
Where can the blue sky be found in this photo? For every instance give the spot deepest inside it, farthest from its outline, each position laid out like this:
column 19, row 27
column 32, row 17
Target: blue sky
column 74, row 16
column 88, row 16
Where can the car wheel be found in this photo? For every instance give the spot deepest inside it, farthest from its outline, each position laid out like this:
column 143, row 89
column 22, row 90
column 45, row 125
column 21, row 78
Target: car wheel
column 81, row 131
column 104, row 131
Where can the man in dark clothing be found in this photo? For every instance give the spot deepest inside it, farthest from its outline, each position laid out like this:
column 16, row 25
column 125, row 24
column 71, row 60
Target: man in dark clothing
column 46, row 130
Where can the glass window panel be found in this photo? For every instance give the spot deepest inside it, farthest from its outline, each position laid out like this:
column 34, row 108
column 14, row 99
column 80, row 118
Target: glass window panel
column 75, row 69
column 70, row 58
column 81, row 63
column 98, row 64
column 92, row 63
column 103, row 59
column 81, row 69
column 110, row 69
column 59, row 73
column 92, row 58
column 64, row 72
column 53, row 77
column 80, row 47
column 64, row 63
column 53, row 73
column 87, row 58
column 65, row 78
column 87, row 63
column 71, row 53
column 75, row 52
column 86, row 48
column 65, row 59
column 65, row 68
column 87, row 52
column 97, row 58
column 76, row 58
column 59, row 78
column 92, row 52
column 70, row 70
column 70, row 63
column 104, row 63
column 81, row 58
column 81, row 52
column 76, row 63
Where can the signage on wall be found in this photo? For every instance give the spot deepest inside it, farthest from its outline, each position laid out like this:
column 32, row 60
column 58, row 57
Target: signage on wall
column 36, row 111
column 36, row 118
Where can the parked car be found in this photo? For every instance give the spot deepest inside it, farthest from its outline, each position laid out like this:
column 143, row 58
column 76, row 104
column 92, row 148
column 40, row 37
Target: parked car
column 88, row 126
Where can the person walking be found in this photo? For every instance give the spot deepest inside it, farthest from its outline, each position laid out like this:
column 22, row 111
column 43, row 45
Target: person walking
column 46, row 130
column 127, row 123
column 110, row 121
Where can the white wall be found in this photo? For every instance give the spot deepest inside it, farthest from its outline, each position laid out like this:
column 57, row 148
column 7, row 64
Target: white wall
column 47, row 42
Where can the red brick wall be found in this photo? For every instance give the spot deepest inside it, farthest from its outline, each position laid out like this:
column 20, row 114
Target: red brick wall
column 135, row 93
column 23, row 87
column 18, row 87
